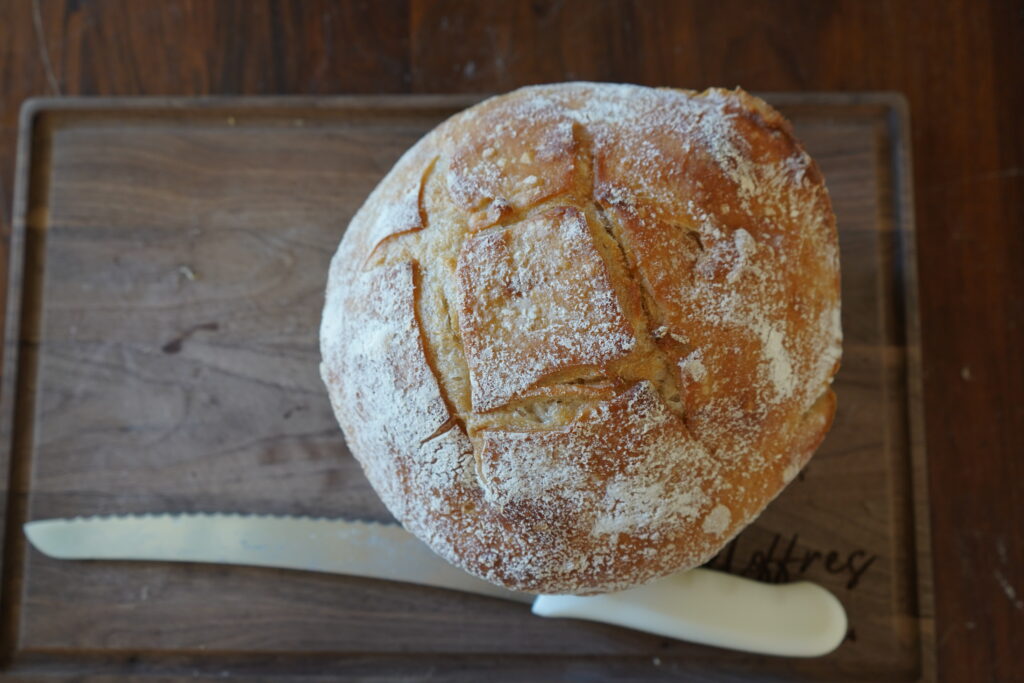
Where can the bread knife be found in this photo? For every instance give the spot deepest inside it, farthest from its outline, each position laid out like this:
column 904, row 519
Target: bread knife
column 703, row 606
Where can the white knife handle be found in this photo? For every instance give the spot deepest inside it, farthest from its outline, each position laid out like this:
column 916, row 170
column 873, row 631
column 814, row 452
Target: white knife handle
column 705, row 606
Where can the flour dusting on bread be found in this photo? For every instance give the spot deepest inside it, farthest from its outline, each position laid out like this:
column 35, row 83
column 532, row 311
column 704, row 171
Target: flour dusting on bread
column 596, row 335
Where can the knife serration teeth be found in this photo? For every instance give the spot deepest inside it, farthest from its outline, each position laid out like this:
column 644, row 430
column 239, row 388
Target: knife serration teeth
column 219, row 514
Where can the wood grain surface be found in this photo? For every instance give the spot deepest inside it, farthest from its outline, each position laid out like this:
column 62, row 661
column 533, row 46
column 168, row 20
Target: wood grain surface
column 958, row 62
column 164, row 332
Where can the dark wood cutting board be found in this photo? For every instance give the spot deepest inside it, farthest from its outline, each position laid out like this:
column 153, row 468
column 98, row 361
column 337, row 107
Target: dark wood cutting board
column 168, row 261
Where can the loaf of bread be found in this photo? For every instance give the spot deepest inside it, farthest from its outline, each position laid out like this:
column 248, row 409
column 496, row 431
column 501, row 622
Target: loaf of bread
column 581, row 334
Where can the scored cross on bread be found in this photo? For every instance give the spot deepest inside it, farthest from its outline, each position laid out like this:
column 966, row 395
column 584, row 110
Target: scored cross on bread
column 536, row 299
column 582, row 334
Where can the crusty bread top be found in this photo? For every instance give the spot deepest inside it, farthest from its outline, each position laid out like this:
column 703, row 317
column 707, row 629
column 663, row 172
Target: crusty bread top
column 581, row 334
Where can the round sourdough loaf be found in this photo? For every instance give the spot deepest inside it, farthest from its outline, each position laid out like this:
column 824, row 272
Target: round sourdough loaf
column 581, row 334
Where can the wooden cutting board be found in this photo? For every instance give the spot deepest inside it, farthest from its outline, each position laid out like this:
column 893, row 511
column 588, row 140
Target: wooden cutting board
column 168, row 261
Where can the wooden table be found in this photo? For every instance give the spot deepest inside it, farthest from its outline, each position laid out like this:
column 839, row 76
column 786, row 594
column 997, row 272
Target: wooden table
column 954, row 61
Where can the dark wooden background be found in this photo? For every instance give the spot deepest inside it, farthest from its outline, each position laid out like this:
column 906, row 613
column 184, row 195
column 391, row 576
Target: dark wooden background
column 959, row 63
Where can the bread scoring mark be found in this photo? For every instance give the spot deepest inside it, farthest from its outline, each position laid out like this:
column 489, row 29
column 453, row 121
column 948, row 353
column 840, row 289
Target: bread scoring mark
column 441, row 464
column 541, row 409
column 375, row 363
column 732, row 256
column 401, row 217
column 535, row 162
column 615, row 469
column 536, row 298
column 450, row 423
column 431, row 360
column 424, row 179
column 667, row 384
column 632, row 286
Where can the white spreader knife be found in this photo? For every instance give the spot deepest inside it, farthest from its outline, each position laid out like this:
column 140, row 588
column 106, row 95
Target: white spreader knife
column 702, row 606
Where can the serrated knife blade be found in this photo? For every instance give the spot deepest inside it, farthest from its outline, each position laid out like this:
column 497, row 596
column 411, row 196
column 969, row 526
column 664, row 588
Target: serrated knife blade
column 703, row 606
column 371, row 549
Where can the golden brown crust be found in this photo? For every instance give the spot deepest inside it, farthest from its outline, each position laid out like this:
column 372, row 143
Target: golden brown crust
column 520, row 312
column 582, row 334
